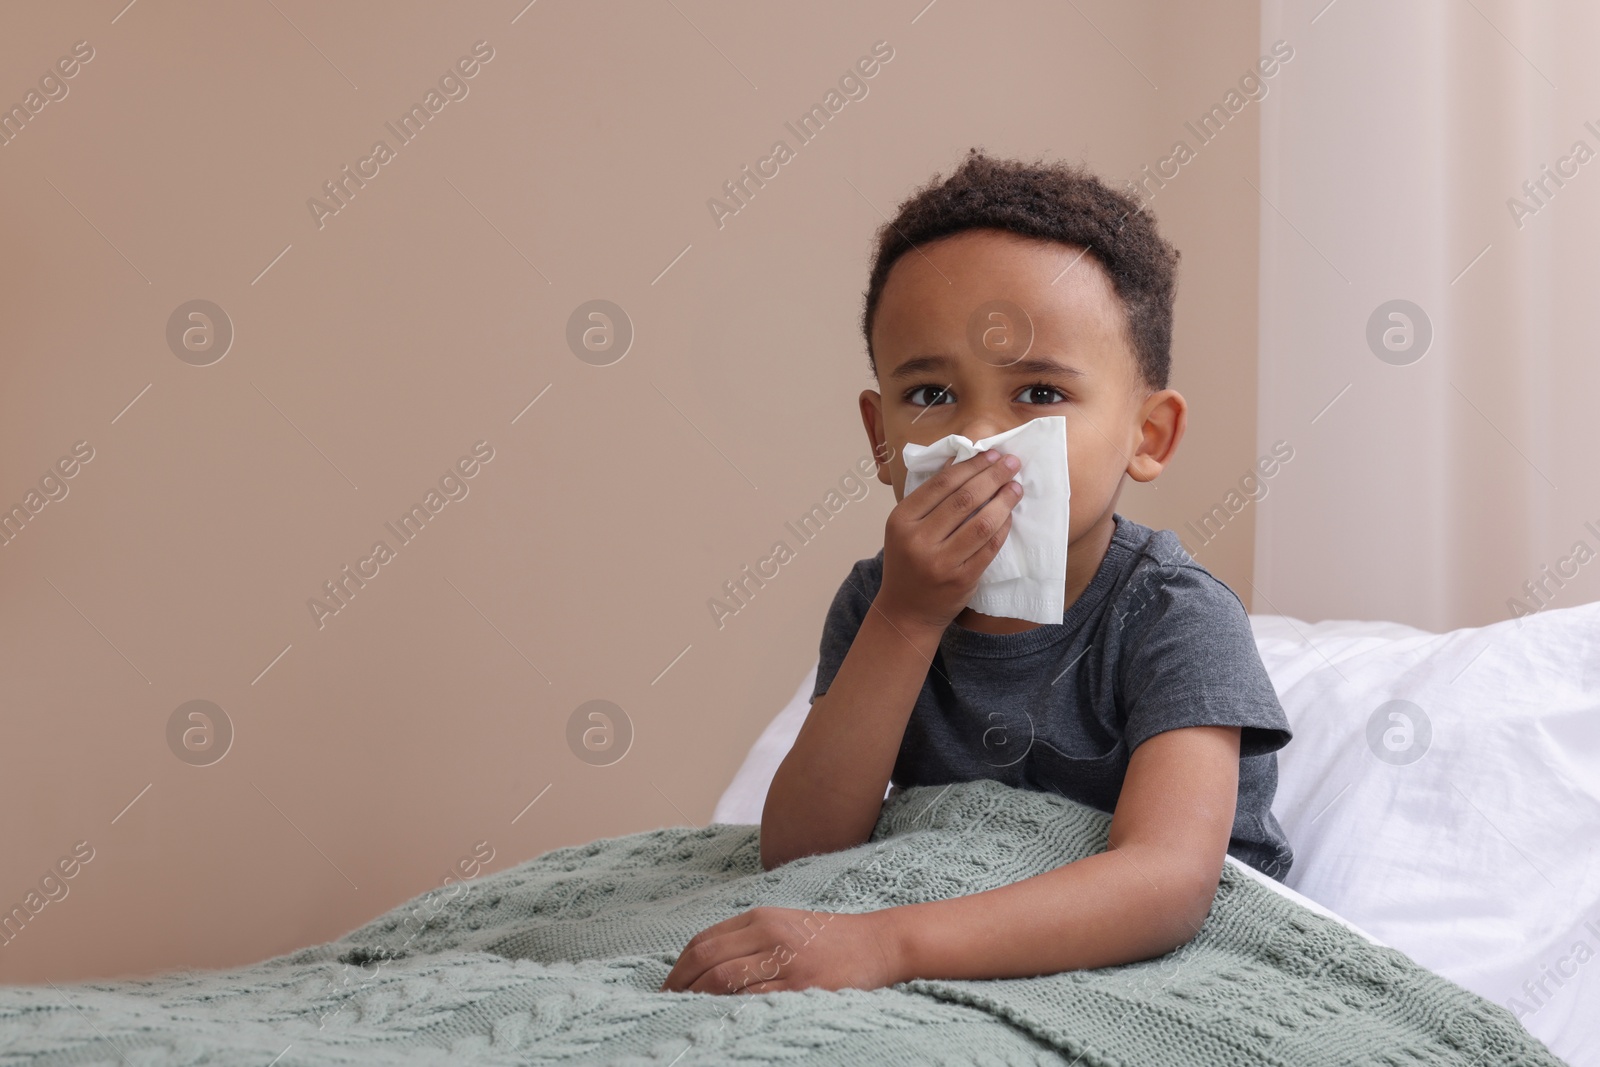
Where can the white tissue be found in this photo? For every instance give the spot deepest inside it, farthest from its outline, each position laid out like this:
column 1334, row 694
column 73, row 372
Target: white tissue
column 1027, row 578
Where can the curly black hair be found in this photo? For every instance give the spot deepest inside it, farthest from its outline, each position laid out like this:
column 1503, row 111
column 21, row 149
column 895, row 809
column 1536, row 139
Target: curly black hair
column 1056, row 201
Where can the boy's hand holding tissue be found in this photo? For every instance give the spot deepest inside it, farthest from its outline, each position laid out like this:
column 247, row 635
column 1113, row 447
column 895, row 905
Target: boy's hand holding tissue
column 940, row 539
column 1026, row 578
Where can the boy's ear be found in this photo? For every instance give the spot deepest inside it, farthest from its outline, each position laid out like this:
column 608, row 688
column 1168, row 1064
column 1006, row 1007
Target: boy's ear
column 1162, row 419
column 872, row 418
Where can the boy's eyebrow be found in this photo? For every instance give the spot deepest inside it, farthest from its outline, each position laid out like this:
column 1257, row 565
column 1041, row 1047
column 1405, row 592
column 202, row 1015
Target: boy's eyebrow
column 918, row 366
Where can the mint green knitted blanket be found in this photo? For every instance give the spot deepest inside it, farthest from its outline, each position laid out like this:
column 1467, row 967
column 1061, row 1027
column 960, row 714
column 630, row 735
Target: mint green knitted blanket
column 556, row 961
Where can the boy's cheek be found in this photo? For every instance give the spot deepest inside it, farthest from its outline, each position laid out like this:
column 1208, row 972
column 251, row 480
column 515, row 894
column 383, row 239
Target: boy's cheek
column 886, row 466
column 1086, row 493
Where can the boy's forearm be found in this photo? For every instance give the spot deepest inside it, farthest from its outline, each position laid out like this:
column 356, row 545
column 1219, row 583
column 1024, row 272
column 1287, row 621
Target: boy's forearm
column 828, row 792
column 1114, row 907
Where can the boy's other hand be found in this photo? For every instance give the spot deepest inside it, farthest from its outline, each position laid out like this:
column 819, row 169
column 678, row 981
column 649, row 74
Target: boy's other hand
column 767, row 950
column 943, row 535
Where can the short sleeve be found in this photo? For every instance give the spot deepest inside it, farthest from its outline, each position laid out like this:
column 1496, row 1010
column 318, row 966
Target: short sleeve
column 1189, row 658
column 850, row 606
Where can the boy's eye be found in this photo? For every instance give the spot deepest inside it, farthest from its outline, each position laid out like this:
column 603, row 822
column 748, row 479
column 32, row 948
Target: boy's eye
column 1030, row 395
column 935, row 395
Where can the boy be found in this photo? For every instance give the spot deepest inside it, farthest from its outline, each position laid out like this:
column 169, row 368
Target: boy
column 1149, row 699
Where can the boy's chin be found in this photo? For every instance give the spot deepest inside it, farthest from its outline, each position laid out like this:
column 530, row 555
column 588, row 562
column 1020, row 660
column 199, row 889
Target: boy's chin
column 977, row 620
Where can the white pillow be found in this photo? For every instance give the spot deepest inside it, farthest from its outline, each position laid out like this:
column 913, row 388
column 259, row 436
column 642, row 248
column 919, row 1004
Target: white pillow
column 1481, row 858
column 746, row 795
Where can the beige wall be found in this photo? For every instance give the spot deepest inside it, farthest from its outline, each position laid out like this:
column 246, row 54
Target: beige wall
column 1417, row 156
column 424, row 317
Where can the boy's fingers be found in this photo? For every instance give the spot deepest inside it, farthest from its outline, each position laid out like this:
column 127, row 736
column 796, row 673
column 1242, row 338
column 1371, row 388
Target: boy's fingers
column 692, row 967
column 679, row 977
column 732, row 962
column 733, row 922
column 774, row 986
column 746, row 969
column 965, row 499
column 933, row 493
column 971, row 543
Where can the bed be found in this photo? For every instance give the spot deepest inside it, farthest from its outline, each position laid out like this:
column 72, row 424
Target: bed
column 1442, row 795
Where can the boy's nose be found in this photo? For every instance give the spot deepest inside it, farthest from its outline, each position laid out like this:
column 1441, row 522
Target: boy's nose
column 978, row 429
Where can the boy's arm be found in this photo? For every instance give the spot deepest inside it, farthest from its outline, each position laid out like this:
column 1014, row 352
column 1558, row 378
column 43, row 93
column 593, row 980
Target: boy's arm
column 1148, row 893
column 828, row 792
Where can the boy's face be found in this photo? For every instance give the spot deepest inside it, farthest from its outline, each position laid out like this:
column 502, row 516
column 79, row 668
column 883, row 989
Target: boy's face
column 932, row 335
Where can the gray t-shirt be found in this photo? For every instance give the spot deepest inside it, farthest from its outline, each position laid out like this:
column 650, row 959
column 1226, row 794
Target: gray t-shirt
column 1154, row 643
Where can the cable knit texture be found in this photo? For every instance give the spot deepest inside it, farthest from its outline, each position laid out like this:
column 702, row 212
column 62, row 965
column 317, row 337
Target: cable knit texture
column 557, row 961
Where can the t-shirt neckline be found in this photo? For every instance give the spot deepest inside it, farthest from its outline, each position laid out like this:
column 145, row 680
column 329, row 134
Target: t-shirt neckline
column 960, row 640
